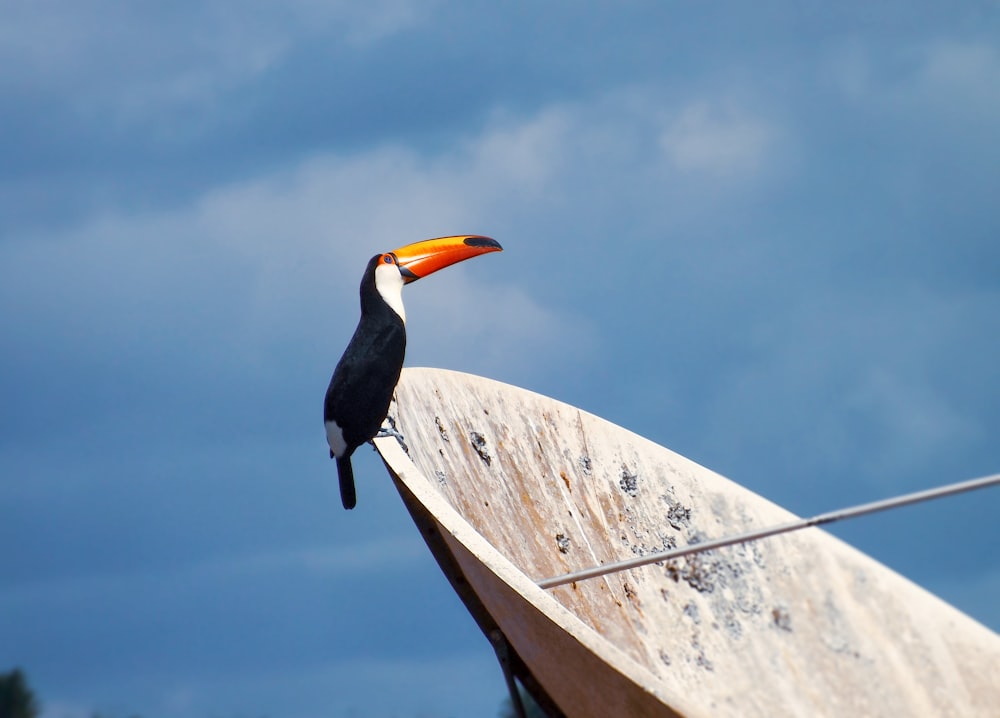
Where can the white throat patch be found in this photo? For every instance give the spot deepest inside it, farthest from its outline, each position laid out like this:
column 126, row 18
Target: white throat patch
column 389, row 283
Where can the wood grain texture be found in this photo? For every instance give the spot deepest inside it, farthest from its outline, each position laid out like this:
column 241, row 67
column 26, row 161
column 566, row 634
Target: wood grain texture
column 524, row 487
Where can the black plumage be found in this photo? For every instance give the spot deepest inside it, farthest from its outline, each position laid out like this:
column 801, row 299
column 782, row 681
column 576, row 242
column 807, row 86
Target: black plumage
column 361, row 388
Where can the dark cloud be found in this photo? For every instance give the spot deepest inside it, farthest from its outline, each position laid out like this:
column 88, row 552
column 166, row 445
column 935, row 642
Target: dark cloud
column 764, row 239
column 112, row 106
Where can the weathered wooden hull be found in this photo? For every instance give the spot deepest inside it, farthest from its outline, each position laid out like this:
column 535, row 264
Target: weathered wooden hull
column 510, row 487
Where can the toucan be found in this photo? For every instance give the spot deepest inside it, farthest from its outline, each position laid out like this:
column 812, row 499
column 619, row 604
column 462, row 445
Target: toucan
column 361, row 388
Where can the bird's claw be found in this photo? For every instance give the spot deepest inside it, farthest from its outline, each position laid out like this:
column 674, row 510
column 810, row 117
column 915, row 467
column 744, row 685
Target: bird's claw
column 389, row 429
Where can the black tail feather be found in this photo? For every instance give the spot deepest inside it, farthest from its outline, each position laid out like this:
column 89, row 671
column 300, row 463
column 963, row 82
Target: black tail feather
column 346, row 473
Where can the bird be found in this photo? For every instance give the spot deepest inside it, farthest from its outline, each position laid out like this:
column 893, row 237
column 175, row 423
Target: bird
column 357, row 399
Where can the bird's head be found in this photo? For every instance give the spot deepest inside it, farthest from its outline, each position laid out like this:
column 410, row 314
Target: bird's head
column 414, row 261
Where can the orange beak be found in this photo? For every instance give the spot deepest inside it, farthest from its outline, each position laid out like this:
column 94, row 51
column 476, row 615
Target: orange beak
column 428, row 256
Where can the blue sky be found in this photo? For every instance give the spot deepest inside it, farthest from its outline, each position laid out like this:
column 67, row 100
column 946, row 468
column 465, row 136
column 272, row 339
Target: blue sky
column 765, row 235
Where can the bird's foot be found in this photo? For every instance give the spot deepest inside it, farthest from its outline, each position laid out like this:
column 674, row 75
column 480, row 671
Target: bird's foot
column 389, row 429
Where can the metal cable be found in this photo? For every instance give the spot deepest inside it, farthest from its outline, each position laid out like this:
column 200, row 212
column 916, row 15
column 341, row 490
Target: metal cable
column 827, row 518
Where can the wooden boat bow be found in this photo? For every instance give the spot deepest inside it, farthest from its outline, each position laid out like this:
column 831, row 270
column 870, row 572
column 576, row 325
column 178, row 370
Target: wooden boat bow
column 509, row 487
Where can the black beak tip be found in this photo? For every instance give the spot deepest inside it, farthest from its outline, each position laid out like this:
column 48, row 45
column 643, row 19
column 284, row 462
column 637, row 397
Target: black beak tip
column 479, row 241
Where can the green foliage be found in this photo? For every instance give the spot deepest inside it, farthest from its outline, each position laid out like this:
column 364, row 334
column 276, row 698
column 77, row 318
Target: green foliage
column 16, row 699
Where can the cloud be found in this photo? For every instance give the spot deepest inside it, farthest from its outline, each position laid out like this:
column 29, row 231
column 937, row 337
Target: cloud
column 496, row 330
column 969, row 71
column 913, row 420
column 710, row 245
column 63, row 40
column 859, row 387
column 717, row 139
column 950, row 79
column 252, row 267
column 259, row 273
column 526, row 152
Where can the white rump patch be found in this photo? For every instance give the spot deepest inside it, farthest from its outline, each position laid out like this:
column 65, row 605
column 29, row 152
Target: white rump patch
column 389, row 283
column 335, row 438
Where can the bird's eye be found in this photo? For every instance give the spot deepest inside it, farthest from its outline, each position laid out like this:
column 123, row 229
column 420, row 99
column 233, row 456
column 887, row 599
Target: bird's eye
column 387, row 258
